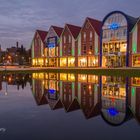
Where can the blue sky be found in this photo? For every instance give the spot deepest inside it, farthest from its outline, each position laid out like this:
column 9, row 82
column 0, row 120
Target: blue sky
column 20, row 18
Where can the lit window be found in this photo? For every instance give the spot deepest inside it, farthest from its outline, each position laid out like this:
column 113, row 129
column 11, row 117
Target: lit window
column 64, row 39
column 90, row 34
column 84, row 36
column 69, row 39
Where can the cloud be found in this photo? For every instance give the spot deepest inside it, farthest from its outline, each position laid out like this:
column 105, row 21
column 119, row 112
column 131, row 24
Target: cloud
column 20, row 18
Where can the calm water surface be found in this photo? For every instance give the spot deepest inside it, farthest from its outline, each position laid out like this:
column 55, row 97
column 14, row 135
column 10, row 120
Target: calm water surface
column 50, row 106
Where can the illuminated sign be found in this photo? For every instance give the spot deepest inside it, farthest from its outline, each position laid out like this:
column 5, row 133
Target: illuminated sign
column 52, row 91
column 114, row 26
column 52, row 42
column 112, row 111
column 51, row 45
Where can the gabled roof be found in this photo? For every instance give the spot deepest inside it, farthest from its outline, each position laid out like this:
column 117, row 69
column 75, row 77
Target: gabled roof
column 42, row 34
column 131, row 21
column 96, row 24
column 58, row 30
column 41, row 101
column 138, row 20
column 93, row 111
column 74, row 30
column 73, row 106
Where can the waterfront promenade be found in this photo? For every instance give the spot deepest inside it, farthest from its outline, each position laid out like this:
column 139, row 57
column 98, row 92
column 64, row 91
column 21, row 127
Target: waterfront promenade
column 99, row 71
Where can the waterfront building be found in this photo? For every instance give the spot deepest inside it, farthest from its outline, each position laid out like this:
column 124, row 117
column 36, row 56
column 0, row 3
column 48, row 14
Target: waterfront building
column 67, row 45
column 115, row 46
column 135, row 45
column 134, row 96
column 38, row 48
column 88, row 43
column 53, row 44
column 112, row 43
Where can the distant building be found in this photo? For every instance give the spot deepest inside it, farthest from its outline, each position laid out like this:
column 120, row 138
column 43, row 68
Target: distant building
column 16, row 55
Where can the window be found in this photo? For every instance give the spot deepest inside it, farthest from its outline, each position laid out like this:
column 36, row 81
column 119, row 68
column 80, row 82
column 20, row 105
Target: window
column 84, row 36
column 90, row 48
column 64, row 50
column 64, row 39
column 104, row 35
column 84, row 48
column 69, row 39
column 69, row 49
column 90, row 35
column 124, row 32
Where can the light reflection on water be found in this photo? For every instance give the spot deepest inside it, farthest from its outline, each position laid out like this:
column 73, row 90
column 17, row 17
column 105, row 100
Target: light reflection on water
column 115, row 99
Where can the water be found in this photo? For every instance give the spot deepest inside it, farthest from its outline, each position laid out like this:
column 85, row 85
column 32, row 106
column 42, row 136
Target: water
column 69, row 106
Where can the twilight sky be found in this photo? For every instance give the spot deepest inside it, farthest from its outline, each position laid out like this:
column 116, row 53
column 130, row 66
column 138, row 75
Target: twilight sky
column 20, row 18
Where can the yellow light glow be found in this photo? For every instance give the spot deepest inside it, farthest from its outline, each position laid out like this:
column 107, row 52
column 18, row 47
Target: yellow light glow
column 71, row 77
column 63, row 62
column 63, row 76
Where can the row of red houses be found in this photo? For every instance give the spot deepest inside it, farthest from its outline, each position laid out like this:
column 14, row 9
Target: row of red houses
column 113, row 42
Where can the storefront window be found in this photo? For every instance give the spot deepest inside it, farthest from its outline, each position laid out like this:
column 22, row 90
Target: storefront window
column 71, row 62
column 82, row 61
column 136, row 60
column 114, row 45
column 63, row 62
column 93, row 61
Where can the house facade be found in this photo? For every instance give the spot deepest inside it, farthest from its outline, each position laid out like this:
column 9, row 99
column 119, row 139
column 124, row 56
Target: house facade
column 115, row 49
column 38, row 48
column 88, row 43
column 67, row 45
column 52, row 46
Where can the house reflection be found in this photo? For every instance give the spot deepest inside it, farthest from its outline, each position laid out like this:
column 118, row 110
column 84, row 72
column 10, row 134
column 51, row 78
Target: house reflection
column 113, row 97
column 38, row 88
column 53, row 94
column 88, row 94
column 116, row 99
column 134, row 101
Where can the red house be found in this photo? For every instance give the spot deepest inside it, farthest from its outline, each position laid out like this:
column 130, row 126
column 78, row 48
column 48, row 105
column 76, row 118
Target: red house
column 88, row 43
column 67, row 45
column 38, row 48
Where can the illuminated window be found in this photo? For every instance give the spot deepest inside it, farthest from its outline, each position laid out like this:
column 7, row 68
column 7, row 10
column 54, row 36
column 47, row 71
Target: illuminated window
column 90, row 35
column 84, row 36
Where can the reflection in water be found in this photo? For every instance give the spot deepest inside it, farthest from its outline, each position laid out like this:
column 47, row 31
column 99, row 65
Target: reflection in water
column 115, row 99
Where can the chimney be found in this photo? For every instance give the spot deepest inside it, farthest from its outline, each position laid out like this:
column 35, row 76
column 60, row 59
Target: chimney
column 17, row 44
